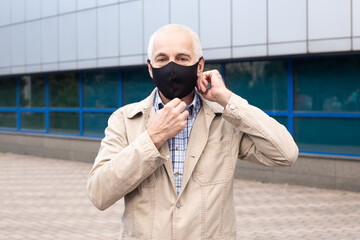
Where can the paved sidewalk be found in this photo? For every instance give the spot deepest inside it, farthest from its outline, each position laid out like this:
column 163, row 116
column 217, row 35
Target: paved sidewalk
column 43, row 198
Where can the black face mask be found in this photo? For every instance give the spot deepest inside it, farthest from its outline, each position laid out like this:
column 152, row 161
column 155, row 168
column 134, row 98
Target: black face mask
column 174, row 80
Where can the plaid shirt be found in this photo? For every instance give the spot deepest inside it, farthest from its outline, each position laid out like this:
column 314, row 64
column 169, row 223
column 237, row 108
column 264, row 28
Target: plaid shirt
column 178, row 144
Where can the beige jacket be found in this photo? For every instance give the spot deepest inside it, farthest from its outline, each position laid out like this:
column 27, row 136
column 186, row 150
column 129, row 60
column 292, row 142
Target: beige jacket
column 129, row 165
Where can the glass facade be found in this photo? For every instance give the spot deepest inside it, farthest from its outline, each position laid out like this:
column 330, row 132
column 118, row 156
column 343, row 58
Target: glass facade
column 327, row 84
column 316, row 98
column 7, row 120
column 64, row 90
column 64, row 122
column 100, row 89
column 137, row 84
column 337, row 135
column 32, row 121
column 32, row 91
column 95, row 123
column 262, row 83
column 8, row 92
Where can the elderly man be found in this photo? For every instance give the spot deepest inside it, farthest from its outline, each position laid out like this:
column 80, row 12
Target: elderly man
column 172, row 156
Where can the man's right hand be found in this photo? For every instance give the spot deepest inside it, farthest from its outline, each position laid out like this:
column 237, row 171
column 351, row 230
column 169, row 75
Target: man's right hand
column 168, row 122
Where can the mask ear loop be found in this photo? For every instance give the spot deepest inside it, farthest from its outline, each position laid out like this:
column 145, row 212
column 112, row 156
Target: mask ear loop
column 149, row 62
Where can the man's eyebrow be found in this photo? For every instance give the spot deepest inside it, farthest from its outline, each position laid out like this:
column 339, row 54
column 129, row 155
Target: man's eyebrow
column 183, row 53
column 161, row 54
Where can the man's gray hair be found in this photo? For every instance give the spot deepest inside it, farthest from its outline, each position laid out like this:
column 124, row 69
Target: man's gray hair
column 176, row 27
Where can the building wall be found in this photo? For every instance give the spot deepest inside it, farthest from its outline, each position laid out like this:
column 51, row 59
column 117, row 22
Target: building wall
column 66, row 65
column 52, row 35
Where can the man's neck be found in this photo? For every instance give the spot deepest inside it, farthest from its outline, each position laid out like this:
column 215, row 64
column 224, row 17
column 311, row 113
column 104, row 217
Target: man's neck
column 187, row 99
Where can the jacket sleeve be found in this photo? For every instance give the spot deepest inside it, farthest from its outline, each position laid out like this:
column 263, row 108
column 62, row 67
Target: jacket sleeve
column 120, row 166
column 263, row 139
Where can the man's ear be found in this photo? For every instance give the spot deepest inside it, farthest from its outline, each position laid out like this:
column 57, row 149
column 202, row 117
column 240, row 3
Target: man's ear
column 149, row 68
column 201, row 67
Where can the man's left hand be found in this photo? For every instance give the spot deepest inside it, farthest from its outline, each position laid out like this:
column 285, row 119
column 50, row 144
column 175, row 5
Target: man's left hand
column 217, row 91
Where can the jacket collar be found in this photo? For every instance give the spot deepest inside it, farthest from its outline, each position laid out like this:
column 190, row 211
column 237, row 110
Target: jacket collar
column 145, row 105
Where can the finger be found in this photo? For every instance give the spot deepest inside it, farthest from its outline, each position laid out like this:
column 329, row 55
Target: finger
column 184, row 114
column 198, row 84
column 180, row 107
column 173, row 103
column 203, row 84
column 206, row 83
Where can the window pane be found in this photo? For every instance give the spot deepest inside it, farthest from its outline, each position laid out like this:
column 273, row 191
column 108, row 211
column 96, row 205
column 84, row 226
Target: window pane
column 64, row 122
column 34, row 121
column 282, row 120
column 262, row 83
column 7, row 120
column 95, row 123
column 101, row 89
column 32, row 91
column 64, row 90
column 212, row 66
column 328, row 135
column 7, row 92
column 327, row 84
column 137, row 84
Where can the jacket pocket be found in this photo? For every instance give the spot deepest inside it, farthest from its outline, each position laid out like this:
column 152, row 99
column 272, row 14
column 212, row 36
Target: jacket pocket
column 214, row 165
column 151, row 181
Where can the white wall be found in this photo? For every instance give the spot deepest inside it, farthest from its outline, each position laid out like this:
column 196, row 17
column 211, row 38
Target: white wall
column 53, row 35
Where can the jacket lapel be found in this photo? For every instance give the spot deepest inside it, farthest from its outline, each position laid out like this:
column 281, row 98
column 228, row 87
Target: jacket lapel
column 149, row 114
column 197, row 141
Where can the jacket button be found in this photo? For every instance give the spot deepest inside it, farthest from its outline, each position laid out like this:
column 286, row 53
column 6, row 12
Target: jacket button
column 232, row 106
column 178, row 205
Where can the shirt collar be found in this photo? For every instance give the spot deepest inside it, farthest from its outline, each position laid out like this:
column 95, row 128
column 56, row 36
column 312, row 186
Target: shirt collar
column 194, row 105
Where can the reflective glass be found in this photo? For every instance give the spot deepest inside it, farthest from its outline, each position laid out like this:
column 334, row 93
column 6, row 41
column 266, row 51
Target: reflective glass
column 64, row 90
column 7, row 92
column 137, row 84
column 282, row 120
column 32, row 91
column 95, row 123
column 212, row 66
column 7, row 120
column 330, row 84
column 262, row 83
column 101, row 89
column 33, row 121
column 336, row 135
column 64, row 122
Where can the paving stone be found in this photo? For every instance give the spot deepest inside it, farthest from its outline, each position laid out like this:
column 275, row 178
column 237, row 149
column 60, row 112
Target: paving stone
column 44, row 198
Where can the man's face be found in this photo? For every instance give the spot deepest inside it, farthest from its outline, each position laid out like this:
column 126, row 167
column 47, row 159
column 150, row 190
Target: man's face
column 176, row 46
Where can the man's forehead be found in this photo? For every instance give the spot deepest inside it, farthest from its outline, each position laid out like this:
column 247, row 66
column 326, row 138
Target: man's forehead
column 176, row 41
